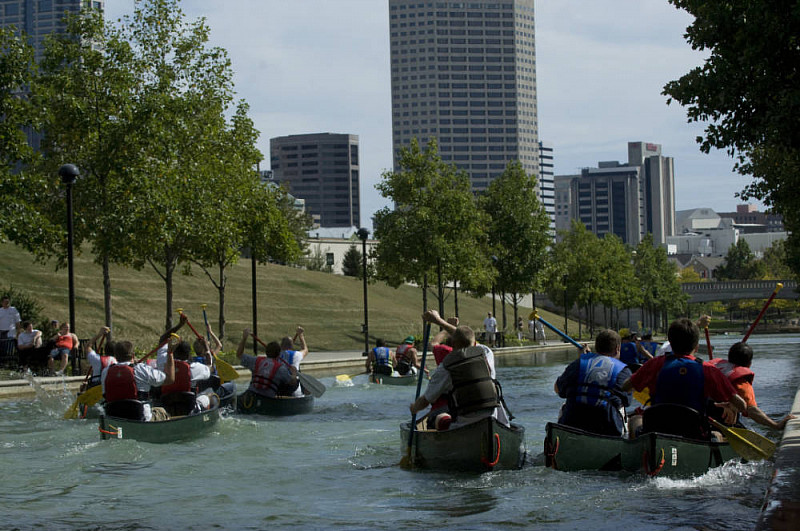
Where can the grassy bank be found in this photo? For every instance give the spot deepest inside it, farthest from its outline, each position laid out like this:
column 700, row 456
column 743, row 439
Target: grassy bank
column 329, row 307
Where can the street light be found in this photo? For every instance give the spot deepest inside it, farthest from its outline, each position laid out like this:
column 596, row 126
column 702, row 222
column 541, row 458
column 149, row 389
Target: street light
column 362, row 235
column 69, row 174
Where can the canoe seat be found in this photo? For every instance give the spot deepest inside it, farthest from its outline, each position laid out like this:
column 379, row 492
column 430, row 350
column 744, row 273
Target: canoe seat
column 675, row 419
column 126, row 409
column 179, row 404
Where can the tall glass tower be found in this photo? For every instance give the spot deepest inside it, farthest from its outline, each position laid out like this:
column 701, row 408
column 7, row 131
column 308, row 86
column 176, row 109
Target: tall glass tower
column 465, row 73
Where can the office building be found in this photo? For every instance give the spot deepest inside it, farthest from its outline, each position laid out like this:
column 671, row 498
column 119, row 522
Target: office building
column 321, row 169
column 547, row 191
column 465, row 73
column 629, row 200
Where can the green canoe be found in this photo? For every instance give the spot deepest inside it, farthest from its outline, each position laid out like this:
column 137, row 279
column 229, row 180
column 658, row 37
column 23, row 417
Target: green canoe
column 250, row 403
column 384, row 379
column 166, row 431
column 478, row 447
column 656, row 454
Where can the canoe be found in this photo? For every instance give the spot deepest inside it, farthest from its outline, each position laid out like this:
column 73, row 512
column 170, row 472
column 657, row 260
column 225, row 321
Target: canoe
column 165, row 431
column 656, row 454
column 478, row 447
column 384, row 379
column 250, row 403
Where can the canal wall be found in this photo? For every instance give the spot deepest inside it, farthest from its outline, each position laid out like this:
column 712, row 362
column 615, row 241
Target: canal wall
column 781, row 509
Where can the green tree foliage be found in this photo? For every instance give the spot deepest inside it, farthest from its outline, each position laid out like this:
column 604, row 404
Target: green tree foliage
column 741, row 264
column 575, row 266
column 776, row 261
column 688, row 274
column 434, row 221
column 658, row 281
column 351, row 263
column 747, row 93
column 518, row 229
column 28, row 307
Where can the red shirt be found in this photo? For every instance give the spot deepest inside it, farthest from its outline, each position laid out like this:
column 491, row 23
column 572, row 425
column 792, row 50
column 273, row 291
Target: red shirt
column 715, row 384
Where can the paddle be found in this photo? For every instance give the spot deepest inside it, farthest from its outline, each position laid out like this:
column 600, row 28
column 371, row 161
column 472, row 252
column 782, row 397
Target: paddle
column 556, row 330
column 408, row 461
column 314, row 386
column 225, row 370
column 345, row 378
column 708, row 344
column 748, row 444
column 778, row 287
column 89, row 396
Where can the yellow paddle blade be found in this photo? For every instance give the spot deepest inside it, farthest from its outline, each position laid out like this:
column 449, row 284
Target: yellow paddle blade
column 343, row 378
column 746, row 443
column 225, row 371
column 643, row 396
column 91, row 396
column 72, row 412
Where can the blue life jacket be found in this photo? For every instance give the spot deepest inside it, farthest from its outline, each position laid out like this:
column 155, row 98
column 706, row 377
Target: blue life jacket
column 382, row 356
column 681, row 381
column 597, row 379
column 288, row 356
column 628, row 353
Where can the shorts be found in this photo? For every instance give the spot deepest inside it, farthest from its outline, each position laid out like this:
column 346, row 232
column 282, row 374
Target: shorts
column 58, row 352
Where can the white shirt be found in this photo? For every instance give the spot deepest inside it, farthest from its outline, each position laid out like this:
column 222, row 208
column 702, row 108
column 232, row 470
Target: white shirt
column 490, row 324
column 9, row 317
column 26, row 338
column 664, row 349
column 97, row 364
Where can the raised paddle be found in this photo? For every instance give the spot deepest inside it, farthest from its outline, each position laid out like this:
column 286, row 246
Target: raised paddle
column 314, row 386
column 708, row 344
column 778, row 287
column 225, row 370
column 748, row 444
column 407, row 460
column 535, row 315
column 73, row 411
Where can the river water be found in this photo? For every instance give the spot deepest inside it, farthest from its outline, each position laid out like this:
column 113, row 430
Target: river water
column 336, row 468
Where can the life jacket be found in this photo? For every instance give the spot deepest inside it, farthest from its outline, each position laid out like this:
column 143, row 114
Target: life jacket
column 681, row 381
column 288, row 356
column 404, row 359
column 473, row 387
column 628, row 353
column 120, row 383
column 264, row 376
column 105, row 361
column 382, row 356
column 183, row 379
column 440, row 352
column 65, row 341
column 597, row 378
column 735, row 373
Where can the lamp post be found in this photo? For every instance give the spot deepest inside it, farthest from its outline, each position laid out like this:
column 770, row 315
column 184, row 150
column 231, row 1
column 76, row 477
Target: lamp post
column 69, row 174
column 362, row 235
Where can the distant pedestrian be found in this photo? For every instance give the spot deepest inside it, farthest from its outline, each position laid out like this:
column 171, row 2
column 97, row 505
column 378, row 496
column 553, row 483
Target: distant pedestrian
column 9, row 317
column 490, row 325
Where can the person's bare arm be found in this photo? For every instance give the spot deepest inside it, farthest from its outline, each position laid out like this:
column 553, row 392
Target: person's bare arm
column 240, row 348
column 217, row 348
column 174, row 330
column 419, row 404
column 754, row 413
column 433, row 317
column 169, row 368
column 299, row 335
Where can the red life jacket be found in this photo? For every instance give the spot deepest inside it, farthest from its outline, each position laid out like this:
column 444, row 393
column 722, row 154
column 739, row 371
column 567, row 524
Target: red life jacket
column 266, row 382
column 105, row 361
column 400, row 353
column 735, row 373
column 439, row 353
column 183, row 379
column 120, row 383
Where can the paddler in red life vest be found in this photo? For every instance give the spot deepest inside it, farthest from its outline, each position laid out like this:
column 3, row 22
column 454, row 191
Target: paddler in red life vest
column 271, row 375
column 98, row 362
column 467, row 375
column 188, row 375
column 406, row 357
column 128, row 381
column 737, row 369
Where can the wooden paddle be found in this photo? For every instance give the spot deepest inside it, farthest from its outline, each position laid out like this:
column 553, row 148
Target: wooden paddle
column 708, row 344
column 225, row 370
column 407, row 460
column 314, row 386
column 748, row 444
column 778, row 287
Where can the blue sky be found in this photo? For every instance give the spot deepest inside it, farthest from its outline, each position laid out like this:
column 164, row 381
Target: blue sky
column 308, row 66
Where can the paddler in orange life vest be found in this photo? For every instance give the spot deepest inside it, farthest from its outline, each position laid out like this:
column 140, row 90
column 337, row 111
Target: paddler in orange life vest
column 125, row 380
column 271, row 375
column 406, row 357
column 737, row 369
column 98, row 362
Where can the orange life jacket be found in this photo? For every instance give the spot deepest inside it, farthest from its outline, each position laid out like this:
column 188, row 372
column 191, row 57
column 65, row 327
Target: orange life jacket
column 120, row 383
column 183, row 379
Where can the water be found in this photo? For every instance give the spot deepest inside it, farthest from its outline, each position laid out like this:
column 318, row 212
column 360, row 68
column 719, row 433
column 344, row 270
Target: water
column 337, row 469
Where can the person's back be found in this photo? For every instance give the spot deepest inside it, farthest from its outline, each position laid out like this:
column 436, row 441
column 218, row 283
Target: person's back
column 271, row 376
column 592, row 387
column 406, row 357
column 381, row 359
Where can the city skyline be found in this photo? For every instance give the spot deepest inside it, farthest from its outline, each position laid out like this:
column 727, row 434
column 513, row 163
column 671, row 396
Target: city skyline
column 317, row 66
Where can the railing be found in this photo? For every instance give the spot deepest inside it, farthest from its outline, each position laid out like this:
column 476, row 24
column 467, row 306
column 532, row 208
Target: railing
column 739, row 289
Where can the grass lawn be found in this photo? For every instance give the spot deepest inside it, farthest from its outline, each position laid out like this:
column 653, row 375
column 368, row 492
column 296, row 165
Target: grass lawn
column 329, row 307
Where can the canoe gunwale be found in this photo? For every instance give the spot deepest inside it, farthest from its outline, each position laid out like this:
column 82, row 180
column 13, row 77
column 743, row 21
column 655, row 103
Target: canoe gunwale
column 160, row 431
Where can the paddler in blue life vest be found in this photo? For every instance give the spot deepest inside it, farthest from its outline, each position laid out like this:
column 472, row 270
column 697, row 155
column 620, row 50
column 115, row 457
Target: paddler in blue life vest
column 592, row 386
column 380, row 360
column 632, row 352
column 271, row 376
column 466, row 375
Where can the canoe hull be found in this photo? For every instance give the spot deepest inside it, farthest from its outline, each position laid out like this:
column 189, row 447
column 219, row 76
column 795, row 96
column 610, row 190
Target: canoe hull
column 253, row 404
column 478, row 447
column 166, row 431
column 571, row 449
column 383, row 379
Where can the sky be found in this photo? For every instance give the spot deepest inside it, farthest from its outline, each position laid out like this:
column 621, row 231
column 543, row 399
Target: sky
column 314, row 66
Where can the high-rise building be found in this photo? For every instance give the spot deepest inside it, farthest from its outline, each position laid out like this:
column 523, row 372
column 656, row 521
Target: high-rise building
column 629, row 200
column 322, row 169
column 547, row 190
column 465, row 73
column 39, row 18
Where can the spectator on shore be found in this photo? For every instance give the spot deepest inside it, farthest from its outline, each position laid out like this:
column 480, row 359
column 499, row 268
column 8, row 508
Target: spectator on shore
column 9, row 317
column 65, row 341
column 29, row 338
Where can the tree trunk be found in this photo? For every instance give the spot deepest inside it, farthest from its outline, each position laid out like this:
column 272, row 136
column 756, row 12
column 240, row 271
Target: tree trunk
column 168, row 284
column 439, row 286
column 455, row 296
column 425, row 293
column 107, row 294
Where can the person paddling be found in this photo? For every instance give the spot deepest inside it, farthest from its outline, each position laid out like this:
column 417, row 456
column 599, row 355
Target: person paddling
column 271, row 376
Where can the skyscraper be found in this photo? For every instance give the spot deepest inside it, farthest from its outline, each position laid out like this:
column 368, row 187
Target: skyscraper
column 465, row 73
column 323, row 170
column 39, row 18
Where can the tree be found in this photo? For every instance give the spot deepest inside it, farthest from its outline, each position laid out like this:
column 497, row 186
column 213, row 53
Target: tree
column 775, row 261
column 518, row 230
column 740, row 263
column 688, row 274
column 747, row 92
column 351, row 263
column 658, row 280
